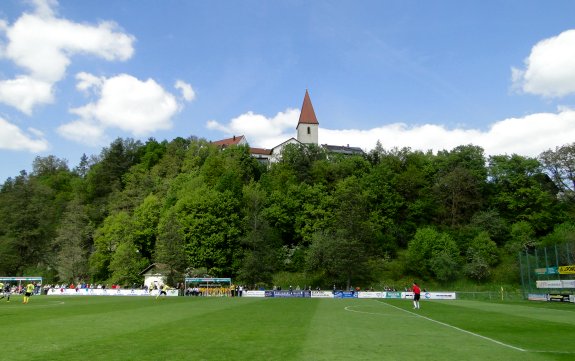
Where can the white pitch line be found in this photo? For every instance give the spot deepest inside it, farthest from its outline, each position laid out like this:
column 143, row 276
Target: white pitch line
column 457, row 328
column 349, row 308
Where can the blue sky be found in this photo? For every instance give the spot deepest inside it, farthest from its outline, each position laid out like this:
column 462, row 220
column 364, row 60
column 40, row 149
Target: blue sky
column 75, row 75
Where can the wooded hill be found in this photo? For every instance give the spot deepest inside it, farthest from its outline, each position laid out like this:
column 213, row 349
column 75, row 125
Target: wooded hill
column 349, row 220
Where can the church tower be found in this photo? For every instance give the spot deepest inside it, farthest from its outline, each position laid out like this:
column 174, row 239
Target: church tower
column 308, row 126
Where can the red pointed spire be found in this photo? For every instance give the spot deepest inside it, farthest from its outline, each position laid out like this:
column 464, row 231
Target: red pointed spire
column 307, row 115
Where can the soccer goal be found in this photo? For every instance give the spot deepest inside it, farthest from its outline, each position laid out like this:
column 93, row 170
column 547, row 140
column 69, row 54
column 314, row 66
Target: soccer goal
column 20, row 283
column 216, row 287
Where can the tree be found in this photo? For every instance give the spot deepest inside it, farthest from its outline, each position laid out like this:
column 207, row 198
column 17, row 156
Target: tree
column 260, row 243
column 343, row 249
column 562, row 233
column 28, row 221
column 126, row 264
column 82, row 169
column 116, row 229
column 560, row 165
column 146, row 218
column 460, row 183
column 491, row 222
column 522, row 237
column 431, row 253
column 299, row 158
column 521, row 192
column 72, row 242
column 459, row 193
column 413, row 181
column 170, row 247
column 211, row 225
column 48, row 165
column 106, row 175
column 481, row 255
column 384, row 204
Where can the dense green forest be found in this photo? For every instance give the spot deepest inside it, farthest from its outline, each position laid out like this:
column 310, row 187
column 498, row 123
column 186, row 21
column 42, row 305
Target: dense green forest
column 350, row 220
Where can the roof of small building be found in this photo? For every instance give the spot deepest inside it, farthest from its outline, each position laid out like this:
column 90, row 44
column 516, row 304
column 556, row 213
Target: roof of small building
column 343, row 149
column 235, row 140
column 262, row 151
column 160, row 266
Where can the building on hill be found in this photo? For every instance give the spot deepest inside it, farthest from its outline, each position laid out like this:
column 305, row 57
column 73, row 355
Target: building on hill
column 154, row 275
column 307, row 133
column 341, row 149
column 307, row 126
column 235, row 140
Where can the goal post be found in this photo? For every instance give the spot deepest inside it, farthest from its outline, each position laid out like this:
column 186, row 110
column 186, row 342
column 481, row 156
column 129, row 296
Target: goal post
column 208, row 286
column 20, row 283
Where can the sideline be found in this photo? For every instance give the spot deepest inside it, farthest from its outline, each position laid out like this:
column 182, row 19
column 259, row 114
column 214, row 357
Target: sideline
column 17, row 305
column 475, row 334
column 456, row 328
column 349, row 308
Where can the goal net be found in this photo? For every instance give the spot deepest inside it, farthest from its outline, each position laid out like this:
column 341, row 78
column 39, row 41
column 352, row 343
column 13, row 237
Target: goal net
column 208, row 286
column 19, row 283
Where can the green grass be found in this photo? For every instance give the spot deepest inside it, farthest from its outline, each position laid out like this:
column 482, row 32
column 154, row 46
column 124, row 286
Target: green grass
column 142, row 328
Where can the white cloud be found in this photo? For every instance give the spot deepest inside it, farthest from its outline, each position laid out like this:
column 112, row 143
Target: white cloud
column 135, row 106
column 24, row 92
column 527, row 136
column 88, row 81
column 13, row 138
column 259, row 130
column 188, row 92
column 550, row 68
column 84, row 132
column 44, row 8
column 42, row 45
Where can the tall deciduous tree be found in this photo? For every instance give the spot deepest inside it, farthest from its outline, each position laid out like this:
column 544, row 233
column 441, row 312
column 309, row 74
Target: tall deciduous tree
column 522, row 192
column 211, row 225
column 481, row 255
column 560, row 165
column 170, row 250
column 72, row 244
column 460, row 183
column 261, row 244
column 433, row 253
column 117, row 229
column 342, row 251
column 146, row 217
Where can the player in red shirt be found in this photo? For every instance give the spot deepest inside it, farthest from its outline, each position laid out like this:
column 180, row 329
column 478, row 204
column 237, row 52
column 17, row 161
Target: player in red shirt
column 416, row 295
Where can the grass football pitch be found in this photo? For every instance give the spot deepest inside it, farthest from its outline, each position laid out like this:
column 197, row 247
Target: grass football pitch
column 197, row 328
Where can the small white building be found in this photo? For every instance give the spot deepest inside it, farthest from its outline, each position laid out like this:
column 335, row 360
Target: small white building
column 154, row 275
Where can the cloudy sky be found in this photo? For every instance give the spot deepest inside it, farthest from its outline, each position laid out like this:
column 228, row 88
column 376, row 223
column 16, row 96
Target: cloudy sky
column 75, row 75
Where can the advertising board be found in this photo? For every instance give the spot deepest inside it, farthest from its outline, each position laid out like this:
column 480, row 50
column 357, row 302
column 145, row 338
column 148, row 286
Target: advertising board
column 549, row 284
column 538, row 297
column 105, row 292
column 288, row 294
column 559, row 297
column 254, row 294
column 345, row 294
column 567, row 270
column 321, row 294
column 362, row 294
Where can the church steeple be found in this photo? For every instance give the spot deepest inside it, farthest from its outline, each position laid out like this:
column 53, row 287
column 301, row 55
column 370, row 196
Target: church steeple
column 307, row 114
column 307, row 126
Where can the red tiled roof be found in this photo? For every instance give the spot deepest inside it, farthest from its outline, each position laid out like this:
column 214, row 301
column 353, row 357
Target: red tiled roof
column 235, row 140
column 260, row 151
column 307, row 115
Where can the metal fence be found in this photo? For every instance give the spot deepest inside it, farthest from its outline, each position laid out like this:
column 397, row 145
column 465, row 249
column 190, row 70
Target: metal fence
column 547, row 264
column 504, row 295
